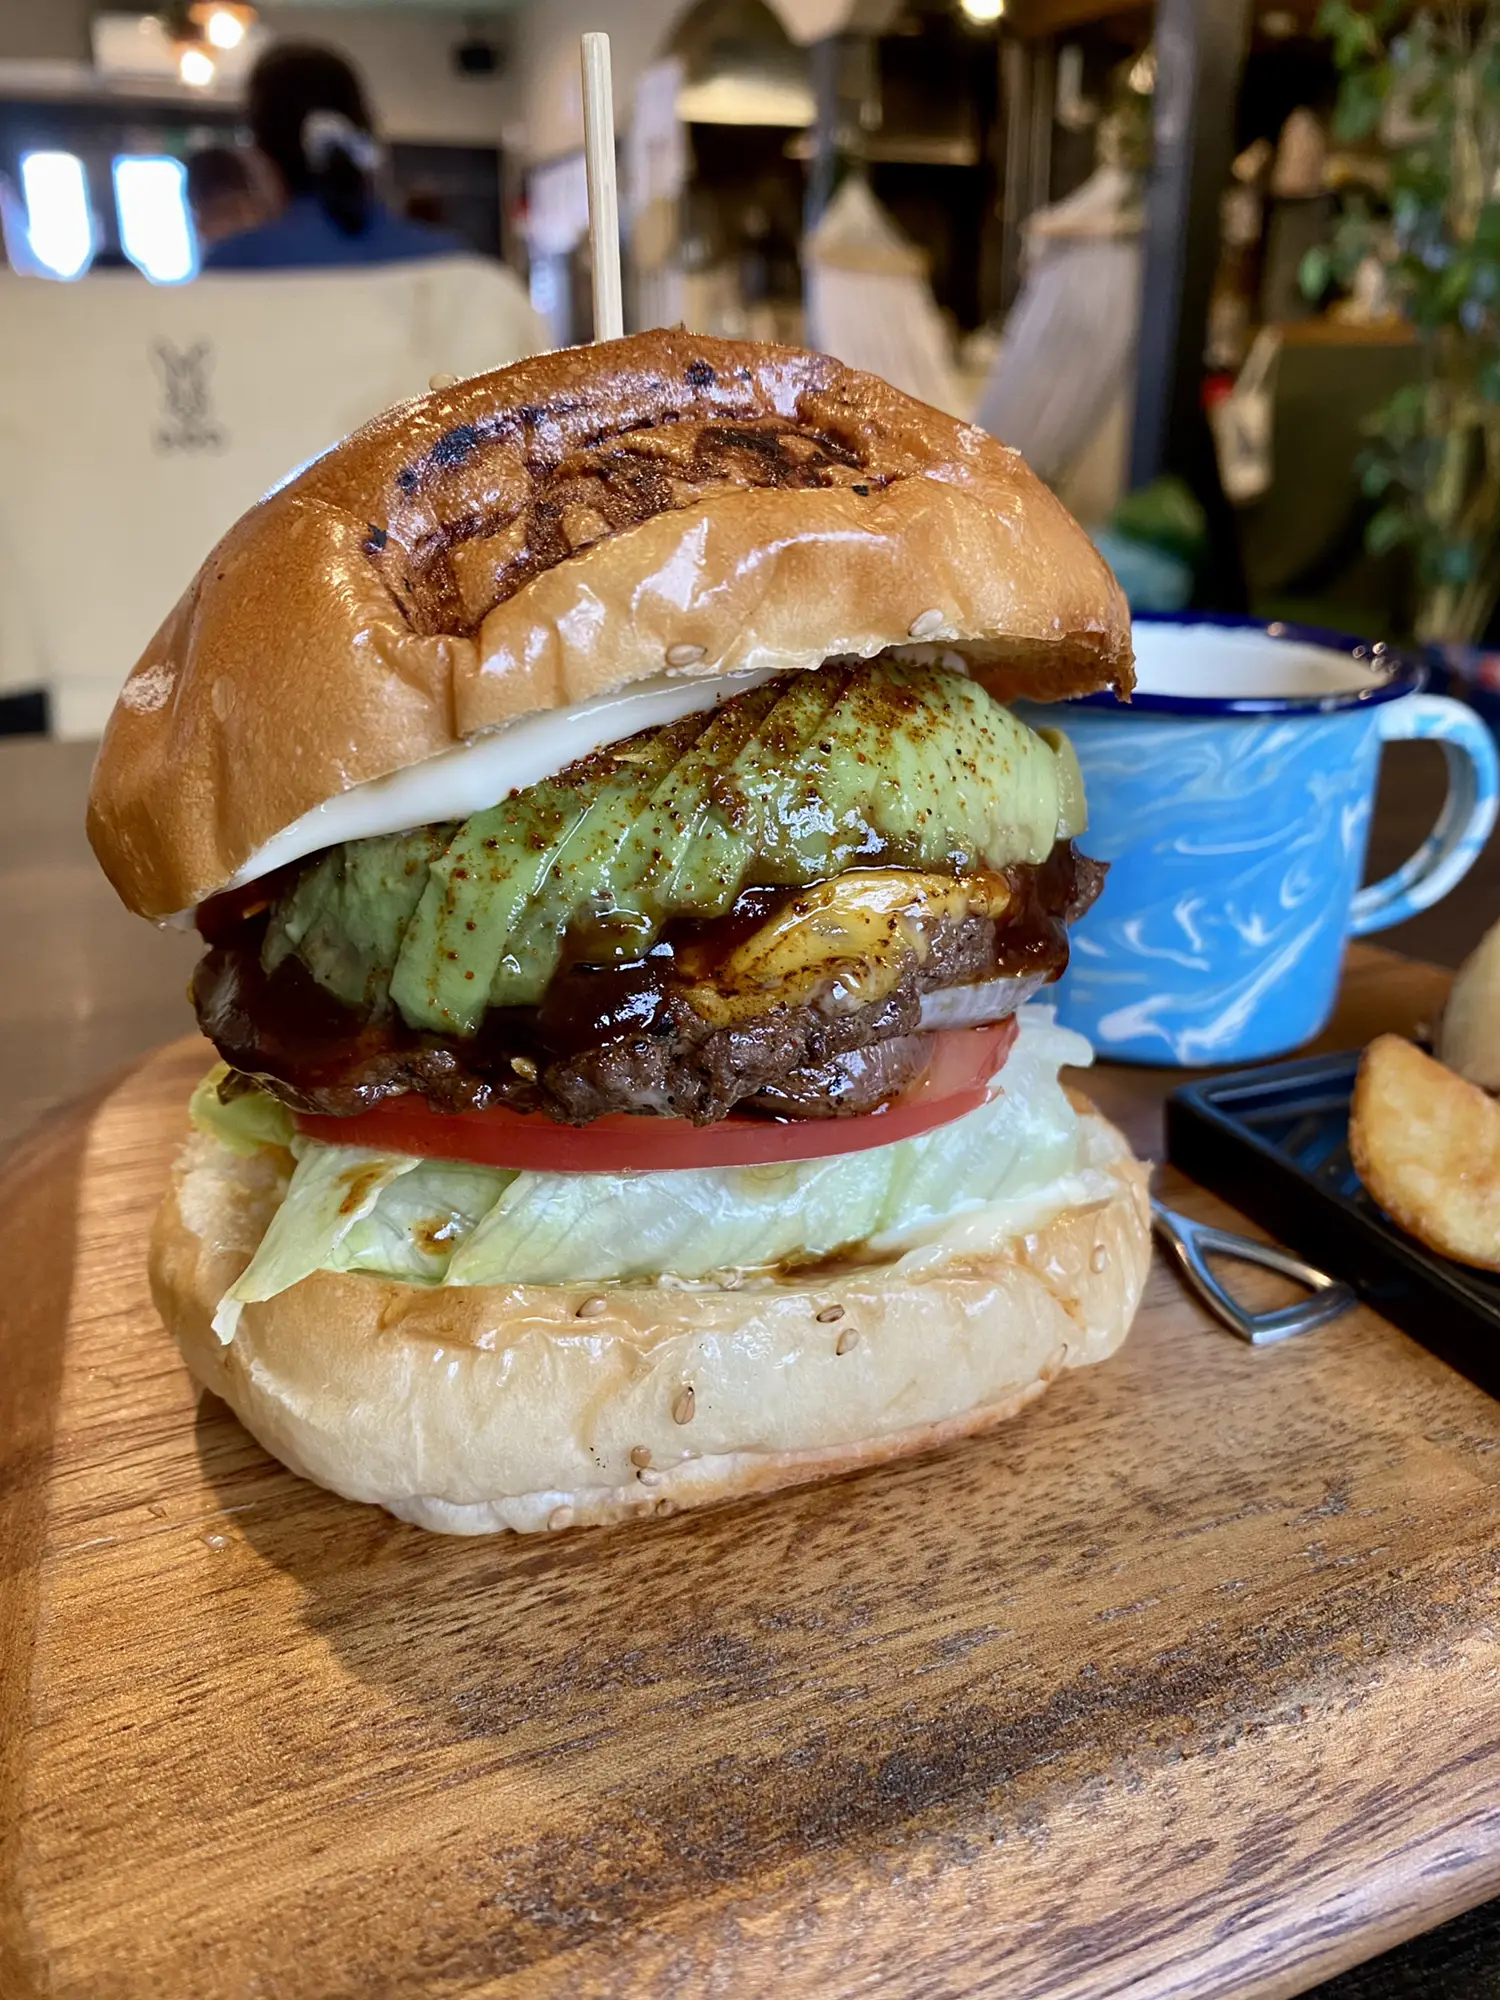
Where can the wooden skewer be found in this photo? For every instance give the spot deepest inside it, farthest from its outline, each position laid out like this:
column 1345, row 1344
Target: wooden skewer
column 604, row 208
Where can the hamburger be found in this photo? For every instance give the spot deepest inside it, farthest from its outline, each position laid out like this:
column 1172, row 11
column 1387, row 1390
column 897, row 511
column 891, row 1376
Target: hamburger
column 624, row 895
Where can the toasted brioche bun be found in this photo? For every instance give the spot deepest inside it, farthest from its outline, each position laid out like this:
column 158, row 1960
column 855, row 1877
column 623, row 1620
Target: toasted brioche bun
column 556, row 531
column 472, row 1410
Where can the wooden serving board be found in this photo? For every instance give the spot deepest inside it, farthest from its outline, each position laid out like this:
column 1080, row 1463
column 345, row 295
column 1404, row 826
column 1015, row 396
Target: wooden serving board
column 1184, row 1683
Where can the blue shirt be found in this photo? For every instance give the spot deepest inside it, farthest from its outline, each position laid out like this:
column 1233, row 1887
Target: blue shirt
column 303, row 238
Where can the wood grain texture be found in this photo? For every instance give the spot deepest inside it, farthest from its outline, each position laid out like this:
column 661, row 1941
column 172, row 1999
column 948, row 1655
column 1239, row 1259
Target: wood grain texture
column 1182, row 1684
column 85, row 987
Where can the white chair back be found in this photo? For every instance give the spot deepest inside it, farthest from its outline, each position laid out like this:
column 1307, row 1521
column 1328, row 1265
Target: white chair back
column 138, row 422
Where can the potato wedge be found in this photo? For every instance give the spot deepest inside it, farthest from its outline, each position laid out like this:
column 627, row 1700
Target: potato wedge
column 1426, row 1144
column 1469, row 1038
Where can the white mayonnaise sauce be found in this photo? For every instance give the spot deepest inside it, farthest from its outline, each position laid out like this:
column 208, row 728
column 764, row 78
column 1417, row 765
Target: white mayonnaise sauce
column 474, row 775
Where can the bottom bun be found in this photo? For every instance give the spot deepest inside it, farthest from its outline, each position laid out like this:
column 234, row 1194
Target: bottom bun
column 468, row 1410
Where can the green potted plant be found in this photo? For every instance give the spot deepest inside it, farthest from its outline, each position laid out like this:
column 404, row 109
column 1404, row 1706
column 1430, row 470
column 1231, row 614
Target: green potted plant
column 1421, row 90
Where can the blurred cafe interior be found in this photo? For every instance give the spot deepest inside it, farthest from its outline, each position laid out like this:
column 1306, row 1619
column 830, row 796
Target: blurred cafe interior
column 967, row 196
column 1226, row 272
column 1166, row 252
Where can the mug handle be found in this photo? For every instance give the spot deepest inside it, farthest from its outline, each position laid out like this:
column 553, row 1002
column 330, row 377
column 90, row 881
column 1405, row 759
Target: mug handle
column 1464, row 824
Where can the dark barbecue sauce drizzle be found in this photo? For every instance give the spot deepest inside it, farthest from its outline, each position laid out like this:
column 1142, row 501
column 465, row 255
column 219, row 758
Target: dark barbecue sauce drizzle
column 606, row 1036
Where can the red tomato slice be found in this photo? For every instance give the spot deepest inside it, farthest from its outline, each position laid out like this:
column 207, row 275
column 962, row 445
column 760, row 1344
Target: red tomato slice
column 957, row 1081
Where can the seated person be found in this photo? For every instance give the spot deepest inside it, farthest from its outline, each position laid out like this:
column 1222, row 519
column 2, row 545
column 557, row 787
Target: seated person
column 310, row 120
column 227, row 193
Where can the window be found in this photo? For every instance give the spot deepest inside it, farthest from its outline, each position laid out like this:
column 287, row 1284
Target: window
column 59, row 221
column 155, row 232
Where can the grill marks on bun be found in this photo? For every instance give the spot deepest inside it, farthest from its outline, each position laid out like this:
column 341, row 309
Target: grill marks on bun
column 561, row 530
column 494, row 504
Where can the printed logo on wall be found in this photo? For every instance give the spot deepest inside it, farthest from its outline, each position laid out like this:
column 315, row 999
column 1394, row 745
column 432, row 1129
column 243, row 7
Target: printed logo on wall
column 188, row 421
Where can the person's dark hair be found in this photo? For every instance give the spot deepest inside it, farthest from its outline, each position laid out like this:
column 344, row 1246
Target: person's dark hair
column 292, row 84
column 216, row 171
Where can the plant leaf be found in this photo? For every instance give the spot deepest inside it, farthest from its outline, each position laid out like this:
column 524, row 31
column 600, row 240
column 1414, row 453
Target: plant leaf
column 1361, row 99
column 1315, row 272
column 1404, row 416
column 1375, row 476
column 1387, row 530
column 1456, row 283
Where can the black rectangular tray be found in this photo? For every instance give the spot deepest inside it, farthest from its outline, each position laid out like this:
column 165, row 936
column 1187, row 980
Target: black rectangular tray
column 1274, row 1142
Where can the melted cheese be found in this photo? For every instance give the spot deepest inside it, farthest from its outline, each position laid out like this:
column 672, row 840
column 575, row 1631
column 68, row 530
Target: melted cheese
column 860, row 932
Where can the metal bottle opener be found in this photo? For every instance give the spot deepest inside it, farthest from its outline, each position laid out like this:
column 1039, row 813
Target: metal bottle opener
column 1190, row 1244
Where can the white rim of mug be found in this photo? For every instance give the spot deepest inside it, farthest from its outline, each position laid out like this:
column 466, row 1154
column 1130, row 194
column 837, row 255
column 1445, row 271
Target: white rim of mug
column 1394, row 673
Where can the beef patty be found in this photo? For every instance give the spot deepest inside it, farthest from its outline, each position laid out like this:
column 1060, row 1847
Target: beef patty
column 625, row 1038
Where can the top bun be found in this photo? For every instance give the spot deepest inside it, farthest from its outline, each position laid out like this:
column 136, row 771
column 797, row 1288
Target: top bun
column 554, row 531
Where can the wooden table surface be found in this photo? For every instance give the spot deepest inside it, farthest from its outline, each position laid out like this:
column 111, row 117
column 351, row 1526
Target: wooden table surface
column 84, row 986
column 1183, row 1684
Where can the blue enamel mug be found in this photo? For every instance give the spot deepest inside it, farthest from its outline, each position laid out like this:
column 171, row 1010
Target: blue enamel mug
column 1231, row 799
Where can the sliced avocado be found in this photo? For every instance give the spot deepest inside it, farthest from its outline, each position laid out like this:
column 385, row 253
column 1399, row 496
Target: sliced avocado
column 1072, row 808
column 578, row 888
column 690, row 849
column 453, row 945
column 928, row 771
column 783, row 823
column 788, row 784
column 349, row 911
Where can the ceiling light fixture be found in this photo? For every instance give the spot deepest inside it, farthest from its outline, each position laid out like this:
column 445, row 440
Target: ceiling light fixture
column 224, row 29
column 983, row 12
column 196, row 67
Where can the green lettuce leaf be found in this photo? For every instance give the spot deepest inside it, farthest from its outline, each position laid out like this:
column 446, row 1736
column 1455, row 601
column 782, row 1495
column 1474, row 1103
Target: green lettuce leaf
column 334, row 1188
column 550, row 1229
column 420, row 1220
column 244, row 1123
column 446, row 1222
